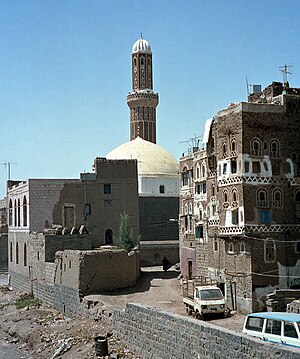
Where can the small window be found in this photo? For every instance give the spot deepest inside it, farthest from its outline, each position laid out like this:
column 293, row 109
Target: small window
column 17, row 253
column 230, row 247
column 161, row 189
column 269, row 252
column 262, row 198
column 24, row 211
column 11, row 251
column 216, row 244
column 274, row 148
column 246, row 164
column 242, row 247
column 233, row 166
column 213, row 190
column 256, row 167
column 233, row 145
column 224, row 148
column 25, row 255
column 87, row 209
column 204, row 188
column 234, row 195
column 256, row 147
column 198, row 172
column 277, row 197
column 235, row 217
column 265, row 216
column 225, row 196
column 70, row 264
column 297, row 247
column 185, row 177
column 275, row 167
column 107, row 188
column 224, row 171
column 199, row 231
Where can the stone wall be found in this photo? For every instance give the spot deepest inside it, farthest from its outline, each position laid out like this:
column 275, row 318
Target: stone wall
column 153, row 333
column 3, row 251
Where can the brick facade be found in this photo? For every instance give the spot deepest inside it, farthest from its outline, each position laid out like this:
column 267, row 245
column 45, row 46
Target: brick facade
column 240, row 200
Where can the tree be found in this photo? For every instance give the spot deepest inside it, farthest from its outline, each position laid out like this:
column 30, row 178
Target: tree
column 125, row 240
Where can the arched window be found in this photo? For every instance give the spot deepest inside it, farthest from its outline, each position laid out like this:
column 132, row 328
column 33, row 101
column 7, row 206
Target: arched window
column 134, row 61
column 277, row 197
column 203, row 170
column 225, row 196
column 234, row 195
column 15, row 213
column 216, row 244
column 274, row 148
column 197, row 172
column 262, row 198
column 233, row 145
column 109, row 237
column 213, row 191
column 242, row 247
column 10, row 213
column 185, row 177
column 161, row 188
column 255, row 147
column 24, row 211
column 142, row 61
column 230, row 247
column 17, row 253
column 19, row 213
column 25, row 255
column 224, row 149
column 11, row 251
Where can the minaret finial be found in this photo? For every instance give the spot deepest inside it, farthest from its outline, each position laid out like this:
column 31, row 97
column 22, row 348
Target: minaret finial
column 141, row 35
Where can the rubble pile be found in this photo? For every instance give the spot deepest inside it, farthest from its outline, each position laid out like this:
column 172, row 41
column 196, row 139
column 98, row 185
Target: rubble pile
column 42, row 332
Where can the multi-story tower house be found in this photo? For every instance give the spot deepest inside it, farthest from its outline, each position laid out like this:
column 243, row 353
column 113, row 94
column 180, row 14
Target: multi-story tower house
column 240, row 199
column 142, row 101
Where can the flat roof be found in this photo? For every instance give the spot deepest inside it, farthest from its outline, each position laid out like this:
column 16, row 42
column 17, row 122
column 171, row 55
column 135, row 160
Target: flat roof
column 292, row 317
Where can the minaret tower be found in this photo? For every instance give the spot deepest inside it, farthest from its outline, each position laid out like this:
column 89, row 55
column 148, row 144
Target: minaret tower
column 142, row 101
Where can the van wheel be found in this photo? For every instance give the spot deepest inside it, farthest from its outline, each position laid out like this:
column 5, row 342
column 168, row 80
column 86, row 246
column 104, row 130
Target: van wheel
column 199, row 316
column 189, row 311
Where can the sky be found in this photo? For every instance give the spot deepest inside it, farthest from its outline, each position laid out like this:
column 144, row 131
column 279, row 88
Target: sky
column 65, row 72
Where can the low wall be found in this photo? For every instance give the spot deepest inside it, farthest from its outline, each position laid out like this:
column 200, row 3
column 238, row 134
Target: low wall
column 154, row 333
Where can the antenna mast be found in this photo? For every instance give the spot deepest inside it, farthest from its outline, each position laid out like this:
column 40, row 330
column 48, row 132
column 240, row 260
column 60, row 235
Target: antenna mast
column 285, row 71
column 7, row 165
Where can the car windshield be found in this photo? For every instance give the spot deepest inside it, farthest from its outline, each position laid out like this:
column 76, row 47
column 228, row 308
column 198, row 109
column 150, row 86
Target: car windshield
column 210, row 294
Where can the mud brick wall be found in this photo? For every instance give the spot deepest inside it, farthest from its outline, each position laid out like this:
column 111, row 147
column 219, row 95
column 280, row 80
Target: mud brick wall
column 153, row 333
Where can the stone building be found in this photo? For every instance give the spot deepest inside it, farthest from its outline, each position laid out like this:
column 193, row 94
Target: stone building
column 240, row 199
column 3, row 236
column 158, row 181
column 50, row 215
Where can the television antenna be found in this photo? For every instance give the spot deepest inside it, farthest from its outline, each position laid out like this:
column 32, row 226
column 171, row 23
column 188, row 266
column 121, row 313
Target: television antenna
column 285, row 72
column 193, row 142
column 7, row 165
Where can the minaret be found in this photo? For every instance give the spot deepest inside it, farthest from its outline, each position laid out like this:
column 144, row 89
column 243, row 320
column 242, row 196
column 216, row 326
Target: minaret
column 142, row 101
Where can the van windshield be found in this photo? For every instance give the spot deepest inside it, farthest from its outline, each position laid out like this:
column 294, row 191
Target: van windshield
column 210, row 294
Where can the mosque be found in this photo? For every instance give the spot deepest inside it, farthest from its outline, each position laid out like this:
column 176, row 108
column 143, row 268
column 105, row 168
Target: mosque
column 158, row 170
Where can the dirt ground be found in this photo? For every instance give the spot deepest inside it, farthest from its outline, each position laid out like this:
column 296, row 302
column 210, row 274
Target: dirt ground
column 42, row 332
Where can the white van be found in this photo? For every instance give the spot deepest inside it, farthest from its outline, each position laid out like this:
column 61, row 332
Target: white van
column 276, row 327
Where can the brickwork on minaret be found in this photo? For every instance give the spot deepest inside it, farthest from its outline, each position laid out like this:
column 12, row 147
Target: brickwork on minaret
column 142, row 101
